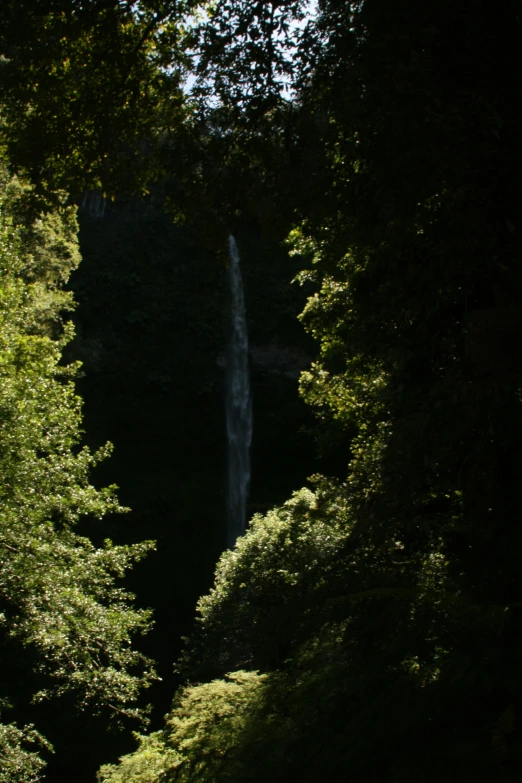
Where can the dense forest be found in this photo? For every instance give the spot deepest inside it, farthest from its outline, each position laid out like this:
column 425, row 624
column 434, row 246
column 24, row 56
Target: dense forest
column 368, row 624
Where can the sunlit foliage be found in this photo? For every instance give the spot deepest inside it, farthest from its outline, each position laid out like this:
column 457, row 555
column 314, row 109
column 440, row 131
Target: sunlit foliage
column 65, row 623
column 19, row 760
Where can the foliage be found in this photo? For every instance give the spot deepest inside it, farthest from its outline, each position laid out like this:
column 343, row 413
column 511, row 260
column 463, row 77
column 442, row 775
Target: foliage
column 416, row 308
column 246, row 54
column 149, row 763
column 234, row 162
column 205, row 735
column 372, row 657
column 266, row 585
column 87, row 88
column 18, row 764
column 66, row 624
column 379, row 617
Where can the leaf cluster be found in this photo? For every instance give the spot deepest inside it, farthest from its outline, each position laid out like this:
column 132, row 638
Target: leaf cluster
column 87, row 88
column 66, row 624
column 371, row 630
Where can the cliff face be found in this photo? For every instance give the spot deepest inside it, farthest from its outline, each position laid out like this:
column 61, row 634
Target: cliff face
column 280, row 359
column 152, row 324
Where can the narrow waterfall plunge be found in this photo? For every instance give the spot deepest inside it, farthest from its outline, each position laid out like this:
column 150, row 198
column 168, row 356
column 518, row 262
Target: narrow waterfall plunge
column 239, row 404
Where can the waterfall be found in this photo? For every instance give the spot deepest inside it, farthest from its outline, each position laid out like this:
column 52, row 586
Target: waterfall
column 94, row 204
column 239, row 404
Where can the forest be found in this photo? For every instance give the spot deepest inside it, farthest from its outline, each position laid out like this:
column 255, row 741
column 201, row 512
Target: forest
column 360, row 155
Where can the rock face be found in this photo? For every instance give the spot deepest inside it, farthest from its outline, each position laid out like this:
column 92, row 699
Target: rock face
column 277, row 359
column 281, row 360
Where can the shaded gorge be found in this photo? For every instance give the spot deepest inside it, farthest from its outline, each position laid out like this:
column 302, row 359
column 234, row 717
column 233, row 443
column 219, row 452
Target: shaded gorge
column 153, row 323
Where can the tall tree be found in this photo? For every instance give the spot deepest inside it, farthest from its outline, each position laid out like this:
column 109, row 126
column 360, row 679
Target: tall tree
column 66, row 624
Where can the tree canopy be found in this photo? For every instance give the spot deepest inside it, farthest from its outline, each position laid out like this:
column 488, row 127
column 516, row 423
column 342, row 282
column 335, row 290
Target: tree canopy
column 369, row 628
column 88, row 88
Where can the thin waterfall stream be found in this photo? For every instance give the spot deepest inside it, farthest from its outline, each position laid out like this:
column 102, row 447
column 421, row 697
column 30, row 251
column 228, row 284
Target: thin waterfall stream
column 238, row 403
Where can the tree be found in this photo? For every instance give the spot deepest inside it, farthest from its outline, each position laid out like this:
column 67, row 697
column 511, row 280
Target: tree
column 414, row 257
column 20, row 764
column 412, row 247
column 309, row 651
column 402, row 661
column 268, row 587
column 87, row 89
column 66, row 624
column 235, row 162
